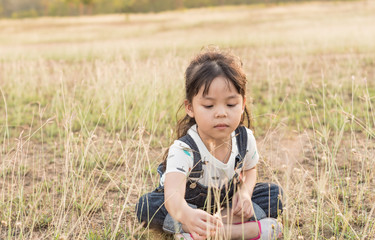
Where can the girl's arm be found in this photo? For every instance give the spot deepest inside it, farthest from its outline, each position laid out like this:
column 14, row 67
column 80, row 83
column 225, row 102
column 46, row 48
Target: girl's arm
column 195, row 221
column 241, row 204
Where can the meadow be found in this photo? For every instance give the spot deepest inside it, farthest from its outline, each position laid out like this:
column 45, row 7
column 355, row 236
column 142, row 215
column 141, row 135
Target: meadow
column 88, row 106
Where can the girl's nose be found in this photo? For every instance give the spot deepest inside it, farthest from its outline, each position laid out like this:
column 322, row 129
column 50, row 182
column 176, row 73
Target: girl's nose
column 220, row 113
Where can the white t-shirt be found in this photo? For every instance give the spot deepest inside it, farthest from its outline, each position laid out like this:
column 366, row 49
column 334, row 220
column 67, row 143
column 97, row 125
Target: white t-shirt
column 215, row 172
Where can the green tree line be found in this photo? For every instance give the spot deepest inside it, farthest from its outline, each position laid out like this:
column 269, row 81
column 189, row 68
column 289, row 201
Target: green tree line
column 34, row 8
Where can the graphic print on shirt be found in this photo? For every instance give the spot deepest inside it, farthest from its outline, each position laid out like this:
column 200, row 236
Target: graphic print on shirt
column 204, row 161
column 181, row 169
column 186, row 152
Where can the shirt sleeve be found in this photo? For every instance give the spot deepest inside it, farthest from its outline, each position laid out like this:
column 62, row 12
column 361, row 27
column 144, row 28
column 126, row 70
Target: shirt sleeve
column 180, row 158
column 252, row 156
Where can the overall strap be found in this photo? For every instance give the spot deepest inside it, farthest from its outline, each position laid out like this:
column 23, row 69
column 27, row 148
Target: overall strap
column 241, row 137
column 197, row 171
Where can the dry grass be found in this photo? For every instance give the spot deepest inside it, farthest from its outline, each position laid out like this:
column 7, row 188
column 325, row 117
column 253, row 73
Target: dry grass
column 88, row 104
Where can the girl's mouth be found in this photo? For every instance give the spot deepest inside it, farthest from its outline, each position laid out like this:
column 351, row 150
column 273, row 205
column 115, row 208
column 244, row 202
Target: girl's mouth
column 221, row 126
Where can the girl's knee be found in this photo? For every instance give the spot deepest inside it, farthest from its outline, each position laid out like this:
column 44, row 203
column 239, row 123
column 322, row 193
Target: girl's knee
column 276, row 191
column 268, row 190
column 276, row 199
column 141, row 208
column 269, row 197
column 151, row 210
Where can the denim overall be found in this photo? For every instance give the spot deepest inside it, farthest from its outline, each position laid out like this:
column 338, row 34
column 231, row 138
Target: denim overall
column 266, row 197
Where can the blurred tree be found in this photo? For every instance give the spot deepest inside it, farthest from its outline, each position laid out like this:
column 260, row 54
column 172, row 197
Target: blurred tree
column 30, row 8
column 74, row 7
column 88, row 6
column 124, row 5
column 179, row 4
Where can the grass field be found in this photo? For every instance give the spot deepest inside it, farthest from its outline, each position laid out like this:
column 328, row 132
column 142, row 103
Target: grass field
column 88, row 106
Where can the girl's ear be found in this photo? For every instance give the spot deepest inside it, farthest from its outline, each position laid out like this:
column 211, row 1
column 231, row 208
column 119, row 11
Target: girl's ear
column 189, row 108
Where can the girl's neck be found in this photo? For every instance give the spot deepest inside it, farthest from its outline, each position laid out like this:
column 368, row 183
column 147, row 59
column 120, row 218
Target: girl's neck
column 219, row 148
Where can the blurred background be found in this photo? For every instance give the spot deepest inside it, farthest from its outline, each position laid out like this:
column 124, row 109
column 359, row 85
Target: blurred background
column 35, row 8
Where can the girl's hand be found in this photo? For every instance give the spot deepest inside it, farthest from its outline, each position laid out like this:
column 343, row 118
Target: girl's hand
column 201, row 224
column 242, row 205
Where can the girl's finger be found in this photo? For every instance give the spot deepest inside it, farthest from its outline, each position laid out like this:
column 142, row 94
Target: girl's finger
column 201, row 228
column 198, row 228
column 237, row 209
column 235, row 202
column 250, row 209
column 196, row 236
column 248, row 214
column 201, row 233
column 211, row 228
column 247, row 208
column 214, row 221
column 251, row 213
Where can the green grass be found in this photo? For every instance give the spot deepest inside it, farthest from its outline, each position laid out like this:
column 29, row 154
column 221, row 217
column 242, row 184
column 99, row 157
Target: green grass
column 88, row 106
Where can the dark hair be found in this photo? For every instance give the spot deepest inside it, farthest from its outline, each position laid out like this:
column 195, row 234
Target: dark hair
column 202, row 70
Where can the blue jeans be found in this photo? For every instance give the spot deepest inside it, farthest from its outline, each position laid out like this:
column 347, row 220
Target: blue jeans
column 266, row 200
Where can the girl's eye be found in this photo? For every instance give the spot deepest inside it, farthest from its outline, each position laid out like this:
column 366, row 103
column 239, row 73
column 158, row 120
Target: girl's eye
column 208, row 106
column 231, row 105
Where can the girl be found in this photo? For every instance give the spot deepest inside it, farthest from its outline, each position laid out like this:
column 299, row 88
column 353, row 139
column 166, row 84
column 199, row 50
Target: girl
column 208, row 181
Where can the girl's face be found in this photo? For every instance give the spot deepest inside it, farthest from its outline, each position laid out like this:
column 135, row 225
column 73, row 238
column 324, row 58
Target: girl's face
column 218, row 113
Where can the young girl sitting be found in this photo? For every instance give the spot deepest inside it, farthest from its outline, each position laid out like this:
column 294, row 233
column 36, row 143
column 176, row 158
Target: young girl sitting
column 208, row 181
